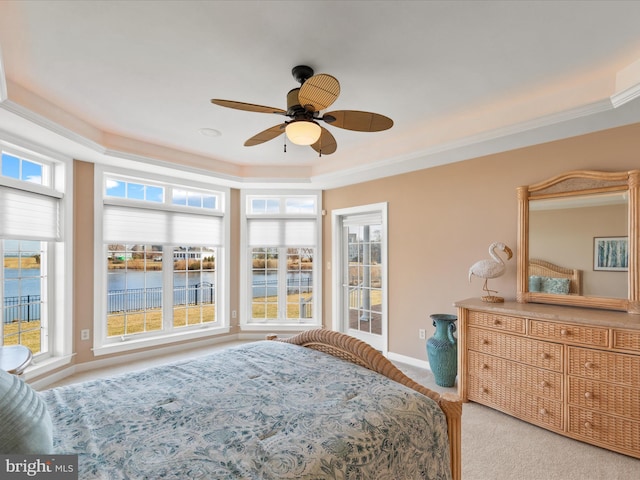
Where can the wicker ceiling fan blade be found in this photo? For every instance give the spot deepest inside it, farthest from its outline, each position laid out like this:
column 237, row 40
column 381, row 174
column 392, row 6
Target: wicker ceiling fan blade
column 266, row 135
column 359, row 121
column 319, row 92
column 247, row 106
column 326, row 144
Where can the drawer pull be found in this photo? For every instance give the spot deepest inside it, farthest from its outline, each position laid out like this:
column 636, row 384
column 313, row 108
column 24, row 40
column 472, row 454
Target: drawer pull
column 485, row 341
column 544, row 384
column 496, row 322
column 484, row 390
column 564, row 332
column 543, row 411
column 588, row 395
column 588, row 365
column 544, row 356
column 485, row 366
column 587, row 425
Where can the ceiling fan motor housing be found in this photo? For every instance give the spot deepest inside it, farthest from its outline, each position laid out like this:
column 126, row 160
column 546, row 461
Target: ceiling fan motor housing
column 294, row 109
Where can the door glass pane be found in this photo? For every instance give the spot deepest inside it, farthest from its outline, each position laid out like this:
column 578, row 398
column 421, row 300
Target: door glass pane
column 364, row 297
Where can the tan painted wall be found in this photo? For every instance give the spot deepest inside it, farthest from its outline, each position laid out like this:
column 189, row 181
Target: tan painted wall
column 443, row 219
column 83, row 259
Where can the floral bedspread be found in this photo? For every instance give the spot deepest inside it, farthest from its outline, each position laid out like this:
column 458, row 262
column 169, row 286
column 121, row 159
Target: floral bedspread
column 264, row 410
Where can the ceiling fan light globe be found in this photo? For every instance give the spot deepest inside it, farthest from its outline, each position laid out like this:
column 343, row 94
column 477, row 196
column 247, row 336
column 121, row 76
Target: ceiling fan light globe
column 303, row 132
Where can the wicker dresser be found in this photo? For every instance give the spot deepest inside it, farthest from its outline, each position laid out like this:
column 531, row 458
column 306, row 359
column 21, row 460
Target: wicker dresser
column 574, row 371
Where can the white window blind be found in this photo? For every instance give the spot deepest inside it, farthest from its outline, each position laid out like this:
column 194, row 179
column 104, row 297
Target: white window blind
column 282, row 232
column 373, row 218
column 160, row 227
column 28, row 216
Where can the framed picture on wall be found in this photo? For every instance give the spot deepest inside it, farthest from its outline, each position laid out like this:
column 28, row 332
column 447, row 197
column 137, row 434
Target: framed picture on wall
column 611, row 254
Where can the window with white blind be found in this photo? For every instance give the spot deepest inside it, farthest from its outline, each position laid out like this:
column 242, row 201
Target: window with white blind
column 162, row 258
column 280, row 264
column 34, row 281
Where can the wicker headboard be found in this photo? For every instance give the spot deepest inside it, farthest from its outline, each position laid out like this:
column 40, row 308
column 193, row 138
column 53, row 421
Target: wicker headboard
column 547, row 269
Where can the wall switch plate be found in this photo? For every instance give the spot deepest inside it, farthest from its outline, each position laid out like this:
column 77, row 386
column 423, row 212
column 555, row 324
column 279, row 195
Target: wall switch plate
column 84, row 334
column 422, row 333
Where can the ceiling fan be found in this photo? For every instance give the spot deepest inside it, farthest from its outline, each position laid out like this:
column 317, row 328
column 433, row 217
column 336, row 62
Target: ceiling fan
column 304, row 104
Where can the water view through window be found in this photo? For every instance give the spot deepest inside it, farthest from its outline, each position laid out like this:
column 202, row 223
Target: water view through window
column 135, row 293
column 23, row 312
column 278, row 292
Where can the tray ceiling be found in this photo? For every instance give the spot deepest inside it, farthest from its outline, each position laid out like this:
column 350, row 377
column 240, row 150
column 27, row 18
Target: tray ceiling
column 113, row 80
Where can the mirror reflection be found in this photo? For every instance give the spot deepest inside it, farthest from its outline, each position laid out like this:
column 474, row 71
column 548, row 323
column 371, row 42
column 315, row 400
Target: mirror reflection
column 583, row 235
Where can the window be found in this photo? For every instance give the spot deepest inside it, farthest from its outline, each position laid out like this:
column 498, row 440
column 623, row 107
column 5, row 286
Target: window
column 20, row 168
column 134, row 191
column 162, row 257
column 25, row 286
column 35, row 278
column 281, row 245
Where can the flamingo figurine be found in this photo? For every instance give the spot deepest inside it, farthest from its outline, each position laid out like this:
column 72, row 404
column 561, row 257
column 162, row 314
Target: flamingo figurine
column 491, row 268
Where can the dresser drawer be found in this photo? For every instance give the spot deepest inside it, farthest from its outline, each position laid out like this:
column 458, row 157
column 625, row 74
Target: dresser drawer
column 499, row 322
column 594, row 336
column 626, row 340
column 605, row 397
column 618, row 368
column 534, row 380
column 617, row 433
column 532, row 352
column 534, row 409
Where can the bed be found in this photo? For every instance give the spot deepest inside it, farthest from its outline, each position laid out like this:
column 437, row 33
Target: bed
column 547, row 277
column 302, row 408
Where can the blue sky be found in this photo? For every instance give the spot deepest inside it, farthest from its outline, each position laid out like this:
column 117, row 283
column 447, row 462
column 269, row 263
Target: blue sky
column 11, row 165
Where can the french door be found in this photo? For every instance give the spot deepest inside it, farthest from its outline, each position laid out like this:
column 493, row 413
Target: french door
column 360, row 273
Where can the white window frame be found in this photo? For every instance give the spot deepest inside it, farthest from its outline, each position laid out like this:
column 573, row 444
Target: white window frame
column 102, row 344
column 246, row 322
column 58, row 170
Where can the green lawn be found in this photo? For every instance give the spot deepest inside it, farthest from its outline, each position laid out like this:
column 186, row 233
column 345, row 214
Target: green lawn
column 263, row 307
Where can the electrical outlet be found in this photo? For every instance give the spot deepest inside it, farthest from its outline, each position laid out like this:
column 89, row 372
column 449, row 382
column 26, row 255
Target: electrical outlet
column 234, row 314
column 422, row 333
column 84, row 334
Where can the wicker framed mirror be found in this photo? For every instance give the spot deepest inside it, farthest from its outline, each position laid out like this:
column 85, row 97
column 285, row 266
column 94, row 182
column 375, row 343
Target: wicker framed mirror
column 578, row 240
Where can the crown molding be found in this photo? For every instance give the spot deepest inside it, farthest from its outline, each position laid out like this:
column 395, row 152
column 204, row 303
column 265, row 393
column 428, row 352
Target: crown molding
column 54, row 127
column 625, row 96
column 11, row 140
column 3, row 81
column 514, row 136
column 119, row 151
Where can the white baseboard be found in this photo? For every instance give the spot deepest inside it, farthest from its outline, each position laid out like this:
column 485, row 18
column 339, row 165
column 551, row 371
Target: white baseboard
column 414, row 362
column 115, row 361
column 128, row 358
column 161, row 351
column 53, row 378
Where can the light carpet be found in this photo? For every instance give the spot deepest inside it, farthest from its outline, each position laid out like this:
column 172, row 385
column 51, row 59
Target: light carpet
column 496, row 446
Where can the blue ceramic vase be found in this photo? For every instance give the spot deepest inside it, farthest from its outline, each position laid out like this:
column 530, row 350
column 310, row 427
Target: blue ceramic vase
column 442, row 350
